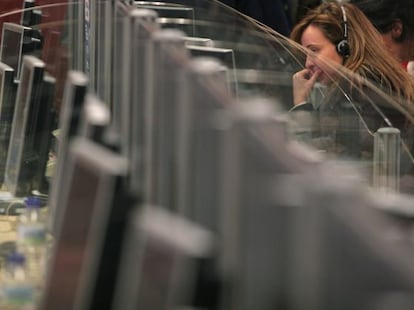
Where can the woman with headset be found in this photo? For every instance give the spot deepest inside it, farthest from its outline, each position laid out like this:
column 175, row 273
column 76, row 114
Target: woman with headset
column 340, row 34
column 365, row 88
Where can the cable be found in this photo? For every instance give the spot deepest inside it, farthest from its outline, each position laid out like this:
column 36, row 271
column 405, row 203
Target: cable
column 381, row 113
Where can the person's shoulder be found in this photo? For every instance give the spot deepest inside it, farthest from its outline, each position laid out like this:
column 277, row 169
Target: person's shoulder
column 303, row 106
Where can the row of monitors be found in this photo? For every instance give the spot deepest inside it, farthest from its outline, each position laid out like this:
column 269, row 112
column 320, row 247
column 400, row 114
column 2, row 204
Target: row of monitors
column 93, row 187
column 101, row 23
column 15, row 43
column 94, row 233
column 114, row 252
column 27, row 119
column 216, row 169
column 93, row 30
column 139, row 93
column 26, row 112
column 71, row 197
column 178, row 209
column 92, row 207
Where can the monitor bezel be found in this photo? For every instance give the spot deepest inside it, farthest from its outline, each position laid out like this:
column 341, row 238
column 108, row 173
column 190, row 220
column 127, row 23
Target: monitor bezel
column 95, row 117
column 108, row 168
column 186, row 243
column 135, row 115
column 44, row 127
column 23, row 31
column 26, row 110
column 121, row 71
column 199, row 41
column 180, row 21
column 103, row 19
column 73, row 99
column 76, row 34
column 170, row 61
column 7, row 97
column 6, row 76
column 221, row 54
column 28, row 6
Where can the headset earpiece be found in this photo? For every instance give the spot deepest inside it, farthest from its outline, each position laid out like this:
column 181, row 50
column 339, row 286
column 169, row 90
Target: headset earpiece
column 343, row 46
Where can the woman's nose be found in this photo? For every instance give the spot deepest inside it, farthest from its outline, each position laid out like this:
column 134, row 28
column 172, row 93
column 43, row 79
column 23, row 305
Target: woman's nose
column 309, row 62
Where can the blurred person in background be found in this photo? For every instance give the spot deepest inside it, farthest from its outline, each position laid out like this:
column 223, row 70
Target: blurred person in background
column 344, row 53
column 395, row 21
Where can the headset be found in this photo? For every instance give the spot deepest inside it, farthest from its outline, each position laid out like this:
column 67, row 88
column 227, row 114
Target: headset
column 343, row 46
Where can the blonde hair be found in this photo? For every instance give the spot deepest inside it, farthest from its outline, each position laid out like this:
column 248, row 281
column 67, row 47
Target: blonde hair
column 368, row 56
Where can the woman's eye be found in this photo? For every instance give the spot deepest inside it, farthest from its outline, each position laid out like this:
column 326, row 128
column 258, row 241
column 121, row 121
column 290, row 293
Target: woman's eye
column 312, row 53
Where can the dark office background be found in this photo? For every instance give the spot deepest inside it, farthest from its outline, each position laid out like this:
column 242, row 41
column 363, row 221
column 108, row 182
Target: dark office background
column 280, row 15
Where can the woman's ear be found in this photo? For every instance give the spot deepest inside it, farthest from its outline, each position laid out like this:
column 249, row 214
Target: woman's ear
column 397, row 30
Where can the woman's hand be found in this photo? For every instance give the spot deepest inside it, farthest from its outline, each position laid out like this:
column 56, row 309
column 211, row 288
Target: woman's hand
column 303, row 82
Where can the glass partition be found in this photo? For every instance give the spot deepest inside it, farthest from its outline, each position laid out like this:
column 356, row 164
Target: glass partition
column 202, row 113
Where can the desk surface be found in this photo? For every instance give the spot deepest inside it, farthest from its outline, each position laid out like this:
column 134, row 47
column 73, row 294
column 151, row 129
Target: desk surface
column 8, row 236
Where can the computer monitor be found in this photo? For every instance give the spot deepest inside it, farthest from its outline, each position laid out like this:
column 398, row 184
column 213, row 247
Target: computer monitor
column 95, row 118
column 87, row 20
column 227, row 58
column 27, row 14
column 225, row 55
column 7, row 100
column 73, row 99
column 14, row 44
column 199, row 41
column 22, row 158
column 330, row 249
column 250, row 168
column 172, row 15
column 122, row 60
column 135, row 115
column 169, row 61
column 76, row 34
column 203, row 97
column 92, row 208
column 104, row 26
column 45, row 125
column 161, row 261
column 357, row 258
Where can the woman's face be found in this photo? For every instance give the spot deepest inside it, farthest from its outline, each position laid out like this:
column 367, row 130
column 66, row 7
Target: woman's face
column 321, row 52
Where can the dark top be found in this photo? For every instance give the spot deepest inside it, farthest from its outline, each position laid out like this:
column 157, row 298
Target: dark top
column 344, row 125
